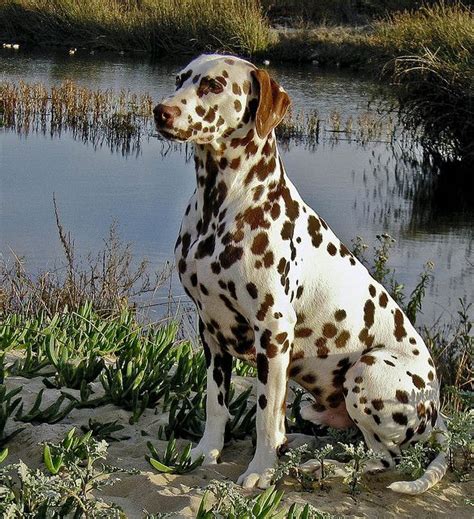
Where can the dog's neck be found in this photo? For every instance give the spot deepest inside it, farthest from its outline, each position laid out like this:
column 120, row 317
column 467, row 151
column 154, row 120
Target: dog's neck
column 237, row 169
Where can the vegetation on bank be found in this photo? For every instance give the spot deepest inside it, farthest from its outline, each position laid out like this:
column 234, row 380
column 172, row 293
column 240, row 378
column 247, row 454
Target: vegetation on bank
column 425, row 53
column 157, row 26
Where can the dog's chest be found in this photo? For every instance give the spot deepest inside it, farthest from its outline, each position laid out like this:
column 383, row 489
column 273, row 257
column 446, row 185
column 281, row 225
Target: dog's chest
column 203, row 262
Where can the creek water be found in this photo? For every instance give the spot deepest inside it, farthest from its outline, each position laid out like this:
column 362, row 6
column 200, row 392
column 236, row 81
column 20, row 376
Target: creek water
column 360, row 188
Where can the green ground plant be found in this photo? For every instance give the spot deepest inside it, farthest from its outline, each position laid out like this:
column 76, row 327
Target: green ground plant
column 51, row 414
column 460, row 442
column 9, row 401
column 290, row 466
column 173, row 462
column 56, row 456
column 139, row 377
column 104, row 430
column 229, row 503
column 3, row 454
column 358, row 457
column 415, row 458
column 71, row 493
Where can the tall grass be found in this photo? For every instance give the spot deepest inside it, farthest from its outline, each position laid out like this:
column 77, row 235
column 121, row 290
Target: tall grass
column 338, row 11
column 183, row 26
column 433, row 70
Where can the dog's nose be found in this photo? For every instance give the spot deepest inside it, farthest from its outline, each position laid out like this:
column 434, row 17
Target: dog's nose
column 165, row 115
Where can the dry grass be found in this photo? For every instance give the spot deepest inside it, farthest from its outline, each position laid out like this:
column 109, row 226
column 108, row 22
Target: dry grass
column 95, row 116
column 110, row 280
column 184, row 26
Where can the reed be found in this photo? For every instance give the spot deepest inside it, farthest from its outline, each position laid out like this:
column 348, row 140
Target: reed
column 120, row 120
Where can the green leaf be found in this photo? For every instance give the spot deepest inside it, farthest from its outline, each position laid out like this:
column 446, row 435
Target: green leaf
column 3, row 454
column 52, row 466
column 160, row 467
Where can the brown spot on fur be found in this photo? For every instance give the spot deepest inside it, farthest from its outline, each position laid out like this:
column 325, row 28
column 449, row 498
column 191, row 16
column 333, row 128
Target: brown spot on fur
column 236, row 89
column 235, row 163
column 399, row 331
column 295, row 371
column 268, row 259
column 401, row 396
column 262, row 368
column 418, row 382
column 383, row 300
column 369, row 312
column 329, row 330
column 230, row 255
column 340, row 315
column 303, row 332
column 314, row 227
column 342, row 338
column 260, row 243
column 378, row 404
column 262, row 312
column 323, row 350
column 368, row 359
column 309, row 378
column 331, row 248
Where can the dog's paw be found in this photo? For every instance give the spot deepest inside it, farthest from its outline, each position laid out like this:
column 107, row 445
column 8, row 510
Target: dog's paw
column 211, row 456
column 252, row 478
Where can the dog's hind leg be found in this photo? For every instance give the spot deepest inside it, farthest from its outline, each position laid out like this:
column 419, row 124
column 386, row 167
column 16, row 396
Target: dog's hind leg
column 219, row 369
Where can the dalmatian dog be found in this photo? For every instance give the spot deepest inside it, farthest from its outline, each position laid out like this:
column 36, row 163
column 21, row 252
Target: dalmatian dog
column 275, row 287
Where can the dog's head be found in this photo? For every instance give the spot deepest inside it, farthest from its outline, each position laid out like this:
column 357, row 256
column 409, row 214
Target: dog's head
column 216, row 96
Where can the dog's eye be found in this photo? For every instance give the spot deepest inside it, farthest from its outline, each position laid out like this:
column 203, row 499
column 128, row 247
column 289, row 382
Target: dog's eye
column 209, row 85
column 214, row 86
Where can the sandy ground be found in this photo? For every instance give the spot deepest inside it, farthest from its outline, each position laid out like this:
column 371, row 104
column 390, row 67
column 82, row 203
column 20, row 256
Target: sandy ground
column 155, row 493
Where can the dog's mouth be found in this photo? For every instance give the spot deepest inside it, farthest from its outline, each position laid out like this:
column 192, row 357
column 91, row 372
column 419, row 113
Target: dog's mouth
column 175, row 135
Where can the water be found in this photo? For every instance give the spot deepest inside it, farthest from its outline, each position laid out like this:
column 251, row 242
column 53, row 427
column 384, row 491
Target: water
column 358, row 189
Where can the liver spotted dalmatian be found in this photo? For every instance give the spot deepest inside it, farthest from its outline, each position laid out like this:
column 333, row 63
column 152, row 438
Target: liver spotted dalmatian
column 275, row 287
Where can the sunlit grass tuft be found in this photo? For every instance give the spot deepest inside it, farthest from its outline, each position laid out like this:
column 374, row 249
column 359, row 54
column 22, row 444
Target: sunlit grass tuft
column 186, row 26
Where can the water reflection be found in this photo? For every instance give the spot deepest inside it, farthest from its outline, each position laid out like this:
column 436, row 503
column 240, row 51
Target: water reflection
column 360, row 186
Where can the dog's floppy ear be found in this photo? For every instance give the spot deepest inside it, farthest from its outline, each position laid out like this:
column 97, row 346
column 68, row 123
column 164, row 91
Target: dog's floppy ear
column 273, row 103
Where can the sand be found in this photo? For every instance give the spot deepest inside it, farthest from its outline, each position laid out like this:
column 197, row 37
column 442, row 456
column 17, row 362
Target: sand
column 181, row 494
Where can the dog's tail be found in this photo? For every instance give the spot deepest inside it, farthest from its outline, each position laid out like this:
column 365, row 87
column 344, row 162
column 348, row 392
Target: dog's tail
column 434, row 472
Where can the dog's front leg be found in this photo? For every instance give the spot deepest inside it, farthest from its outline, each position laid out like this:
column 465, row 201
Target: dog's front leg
column 273, row 343
column 219, row 369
